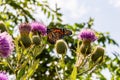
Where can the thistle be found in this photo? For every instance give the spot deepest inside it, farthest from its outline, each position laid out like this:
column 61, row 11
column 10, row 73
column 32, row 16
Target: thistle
column 24, row 29
column 85, row 47
column 24, row 39
column 36, row 39
column 87, row 36
column 98, row 54
column 61, row 46
column 6, row 44
column 3, row 76
column 38, row 28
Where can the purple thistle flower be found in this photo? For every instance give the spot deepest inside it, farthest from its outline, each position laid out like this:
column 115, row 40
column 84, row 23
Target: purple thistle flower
column 3, row 76
column 25, row 28
column 39, row 27
column 87, row 34
column 6, row 44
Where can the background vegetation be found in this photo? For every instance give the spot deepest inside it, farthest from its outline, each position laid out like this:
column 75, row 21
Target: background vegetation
column 14, row 12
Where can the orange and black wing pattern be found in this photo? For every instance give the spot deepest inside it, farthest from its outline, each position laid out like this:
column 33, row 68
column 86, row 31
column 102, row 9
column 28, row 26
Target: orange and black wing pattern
column 54, row 34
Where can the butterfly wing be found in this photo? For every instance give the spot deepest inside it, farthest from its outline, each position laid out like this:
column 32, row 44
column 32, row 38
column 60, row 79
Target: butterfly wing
column 67, row 32
column 55, row 34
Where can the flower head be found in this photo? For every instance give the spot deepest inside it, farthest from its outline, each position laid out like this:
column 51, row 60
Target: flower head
column 85, row 48
column 39, row 27
column 61, row 46
column 3, row 76
column 26, row 41
column 6, row 44
column 24, row 29
column 87, row 34
column 36, row 39
column 98, row 54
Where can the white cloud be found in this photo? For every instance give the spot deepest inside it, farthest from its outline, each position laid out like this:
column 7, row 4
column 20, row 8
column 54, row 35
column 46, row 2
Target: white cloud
column 79, row 11
column 74, row 8
column 115, row 3
column 71, row 9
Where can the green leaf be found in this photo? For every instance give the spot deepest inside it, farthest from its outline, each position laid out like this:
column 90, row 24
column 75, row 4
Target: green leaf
column 39, row 4
column 38, row 50
column 20, row 73
column 59, row 19
column 24, row 64
column 31, row 70
column 90, row 22
column 59, row 14
column 73, row 74
column 44, row 10
column 52, row 17
column 48, row 15
column 17, row 6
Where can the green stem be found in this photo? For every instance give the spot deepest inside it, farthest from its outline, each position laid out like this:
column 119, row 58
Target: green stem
column 9, row 65
column 90, row 69
column 63, row 63
column 58, row 73
column 85, row 59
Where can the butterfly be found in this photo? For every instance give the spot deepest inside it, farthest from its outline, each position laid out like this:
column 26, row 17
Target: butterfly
column 54, row 34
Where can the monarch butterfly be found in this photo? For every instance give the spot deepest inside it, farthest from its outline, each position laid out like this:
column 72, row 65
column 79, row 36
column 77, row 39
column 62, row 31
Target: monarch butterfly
column 54, row 34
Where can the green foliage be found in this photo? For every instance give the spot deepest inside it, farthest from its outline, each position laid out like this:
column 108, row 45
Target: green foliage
column 35, row 61
column 74, row 73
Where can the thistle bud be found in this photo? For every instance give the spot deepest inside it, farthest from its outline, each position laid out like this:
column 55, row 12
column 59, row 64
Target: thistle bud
column 25, row 41
column 98, row 54
column 85, row 47
column 61, row 47
column 24, row 29
column 36, row 39
column 2, row 26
